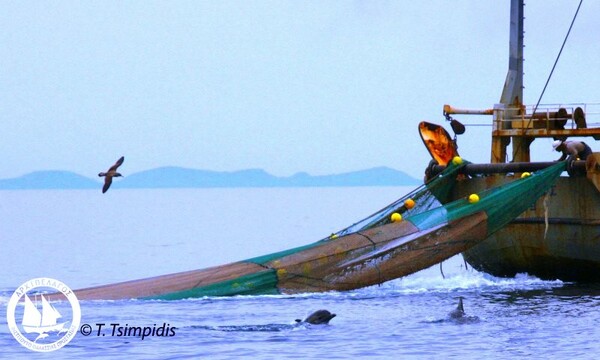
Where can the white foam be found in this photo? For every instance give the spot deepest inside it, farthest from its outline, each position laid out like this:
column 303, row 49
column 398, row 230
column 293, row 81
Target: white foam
column 456, row 277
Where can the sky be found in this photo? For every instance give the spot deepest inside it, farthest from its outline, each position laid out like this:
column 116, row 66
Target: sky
column 322, row 87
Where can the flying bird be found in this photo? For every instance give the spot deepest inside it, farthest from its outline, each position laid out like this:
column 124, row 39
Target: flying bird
column 112, row 172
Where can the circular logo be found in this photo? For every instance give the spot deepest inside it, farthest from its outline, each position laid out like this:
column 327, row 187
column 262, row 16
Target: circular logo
column 39, row 318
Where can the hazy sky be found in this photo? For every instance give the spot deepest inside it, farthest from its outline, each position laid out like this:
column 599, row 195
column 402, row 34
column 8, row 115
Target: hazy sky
column 288, row 86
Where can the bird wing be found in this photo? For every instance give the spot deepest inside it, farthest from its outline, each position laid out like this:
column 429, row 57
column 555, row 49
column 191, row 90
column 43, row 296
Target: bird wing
column 117, row 164
column 107, row 182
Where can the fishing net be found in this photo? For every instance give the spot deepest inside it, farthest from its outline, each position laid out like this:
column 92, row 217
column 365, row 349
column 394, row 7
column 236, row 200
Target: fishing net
column 502, row 203
column 430, row 195
column 369, row 252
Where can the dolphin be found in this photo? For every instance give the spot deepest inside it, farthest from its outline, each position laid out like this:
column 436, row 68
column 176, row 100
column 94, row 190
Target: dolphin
column 112, row 172
column 459, row 312
column 318, row 317
column 458, row 315
column 41, row 336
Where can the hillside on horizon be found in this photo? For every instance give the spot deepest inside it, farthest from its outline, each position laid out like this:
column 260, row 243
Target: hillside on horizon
column 179, row 177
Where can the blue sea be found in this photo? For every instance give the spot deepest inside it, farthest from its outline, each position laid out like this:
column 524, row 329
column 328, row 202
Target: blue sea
column 85, row 238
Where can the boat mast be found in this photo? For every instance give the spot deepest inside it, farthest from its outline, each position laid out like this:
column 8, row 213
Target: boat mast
column 512, row 94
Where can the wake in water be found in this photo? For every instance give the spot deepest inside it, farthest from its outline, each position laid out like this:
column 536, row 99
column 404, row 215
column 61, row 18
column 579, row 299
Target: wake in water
column 462, row 320
column 249, row 328
column 456, row 278
column 260, row 328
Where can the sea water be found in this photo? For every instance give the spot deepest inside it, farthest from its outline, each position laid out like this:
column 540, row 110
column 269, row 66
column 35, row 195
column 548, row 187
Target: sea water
column 85, row 238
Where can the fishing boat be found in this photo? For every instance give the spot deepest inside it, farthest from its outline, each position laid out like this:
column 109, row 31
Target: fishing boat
column 559, row 236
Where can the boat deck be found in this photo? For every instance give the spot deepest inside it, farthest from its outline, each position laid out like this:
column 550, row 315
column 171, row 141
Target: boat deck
column 556, row 121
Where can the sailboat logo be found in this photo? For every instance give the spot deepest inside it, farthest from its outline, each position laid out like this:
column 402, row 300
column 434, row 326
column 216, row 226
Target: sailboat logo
column 43, row 322
column 40, row 316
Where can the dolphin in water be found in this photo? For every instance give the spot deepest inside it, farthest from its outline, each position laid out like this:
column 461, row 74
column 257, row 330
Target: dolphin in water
column 319, row 317
column 459, row 316
column 112, row 172
column 459, row 312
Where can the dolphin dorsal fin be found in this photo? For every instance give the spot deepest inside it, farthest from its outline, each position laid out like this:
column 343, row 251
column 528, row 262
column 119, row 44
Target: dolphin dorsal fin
column 460, row 305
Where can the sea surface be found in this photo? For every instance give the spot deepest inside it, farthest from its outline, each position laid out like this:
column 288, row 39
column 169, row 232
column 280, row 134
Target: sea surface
column 85, row 238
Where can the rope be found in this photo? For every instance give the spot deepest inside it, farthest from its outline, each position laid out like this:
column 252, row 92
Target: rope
column 558, row 57
column 546, row 198
column 368, row 238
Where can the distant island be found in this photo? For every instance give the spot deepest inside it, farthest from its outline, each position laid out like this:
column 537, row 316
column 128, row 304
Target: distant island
column 177, row 177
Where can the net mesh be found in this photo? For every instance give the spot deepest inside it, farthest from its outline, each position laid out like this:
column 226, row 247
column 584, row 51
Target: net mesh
column 430, row 195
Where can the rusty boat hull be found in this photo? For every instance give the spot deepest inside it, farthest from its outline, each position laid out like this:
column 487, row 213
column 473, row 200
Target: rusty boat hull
column 567, row 248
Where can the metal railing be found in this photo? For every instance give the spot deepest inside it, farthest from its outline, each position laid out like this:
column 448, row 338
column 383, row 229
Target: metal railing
column 549, row 116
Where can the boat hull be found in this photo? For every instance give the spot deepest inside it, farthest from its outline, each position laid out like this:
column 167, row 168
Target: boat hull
column 567, row 249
